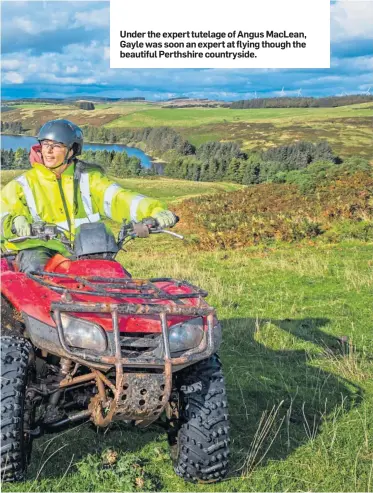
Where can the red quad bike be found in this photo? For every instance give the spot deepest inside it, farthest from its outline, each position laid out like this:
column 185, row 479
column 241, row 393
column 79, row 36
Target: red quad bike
column 84, row 340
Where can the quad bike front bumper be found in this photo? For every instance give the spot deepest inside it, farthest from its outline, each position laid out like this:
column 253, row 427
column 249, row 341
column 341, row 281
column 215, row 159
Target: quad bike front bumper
column 143, row 384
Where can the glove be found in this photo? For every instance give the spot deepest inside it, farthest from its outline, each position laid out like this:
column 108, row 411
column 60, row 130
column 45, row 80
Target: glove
column 21, row 226
column 166, row 219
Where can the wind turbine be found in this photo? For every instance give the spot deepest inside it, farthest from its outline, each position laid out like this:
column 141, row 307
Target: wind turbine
column 299, row 93
column 282, row 93
column 255, row 96
column 367, row 92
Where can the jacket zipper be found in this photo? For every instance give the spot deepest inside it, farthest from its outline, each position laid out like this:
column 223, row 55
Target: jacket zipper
column 64, row 204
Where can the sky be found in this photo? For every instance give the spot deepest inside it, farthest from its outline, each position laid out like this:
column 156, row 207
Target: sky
column 61, row 48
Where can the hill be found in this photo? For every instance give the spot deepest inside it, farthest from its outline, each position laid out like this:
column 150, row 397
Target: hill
column 303, row 102
column 348, row 128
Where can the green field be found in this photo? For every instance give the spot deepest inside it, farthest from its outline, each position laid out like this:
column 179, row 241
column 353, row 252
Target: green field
column 193, row 117
column 301, row 403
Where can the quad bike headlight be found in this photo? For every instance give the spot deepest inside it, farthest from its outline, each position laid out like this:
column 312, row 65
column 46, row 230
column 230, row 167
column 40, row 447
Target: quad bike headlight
column 186, row 335
column 82, row 334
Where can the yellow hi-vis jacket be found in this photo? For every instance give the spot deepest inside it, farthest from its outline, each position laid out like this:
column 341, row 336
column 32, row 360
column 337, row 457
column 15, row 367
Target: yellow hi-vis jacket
column 39, row 195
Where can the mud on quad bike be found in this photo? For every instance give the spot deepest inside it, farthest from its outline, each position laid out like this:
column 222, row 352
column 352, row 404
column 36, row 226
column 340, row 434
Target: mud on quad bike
column 82, row 339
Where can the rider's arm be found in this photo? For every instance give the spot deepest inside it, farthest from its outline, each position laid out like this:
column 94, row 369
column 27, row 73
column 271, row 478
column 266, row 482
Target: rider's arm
column 116, row 203
column 13, row 204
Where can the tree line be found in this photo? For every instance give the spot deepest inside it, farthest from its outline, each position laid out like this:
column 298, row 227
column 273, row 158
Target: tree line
column 12, row 127
column 302, row 163
column 302, row 102
column 156, row 140
column 118, row 164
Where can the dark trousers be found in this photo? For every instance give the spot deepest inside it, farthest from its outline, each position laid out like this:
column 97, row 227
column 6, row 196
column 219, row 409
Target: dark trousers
column 34, row 259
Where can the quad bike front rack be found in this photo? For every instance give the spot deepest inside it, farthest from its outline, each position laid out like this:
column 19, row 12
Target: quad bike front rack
column 138, row 394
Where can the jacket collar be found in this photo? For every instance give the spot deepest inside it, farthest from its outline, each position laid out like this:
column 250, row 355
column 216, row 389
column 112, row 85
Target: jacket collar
column 48, row 174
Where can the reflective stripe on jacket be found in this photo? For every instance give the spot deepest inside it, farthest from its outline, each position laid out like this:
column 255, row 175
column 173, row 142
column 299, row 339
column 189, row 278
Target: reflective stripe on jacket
column 38, row 195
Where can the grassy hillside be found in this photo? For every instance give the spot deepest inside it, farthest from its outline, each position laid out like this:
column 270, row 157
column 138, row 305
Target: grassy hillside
column 347, row 128
column 301, row 401
column 192, row 117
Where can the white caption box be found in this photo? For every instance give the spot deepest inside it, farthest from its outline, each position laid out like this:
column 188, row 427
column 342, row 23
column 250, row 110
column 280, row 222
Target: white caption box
column 192, row 30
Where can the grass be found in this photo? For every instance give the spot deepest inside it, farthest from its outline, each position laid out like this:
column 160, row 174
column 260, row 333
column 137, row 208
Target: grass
column 301, row 401
column 297, row 355
column 347, row 136
column 8, row 175
column 172, row 190
column 190, row 117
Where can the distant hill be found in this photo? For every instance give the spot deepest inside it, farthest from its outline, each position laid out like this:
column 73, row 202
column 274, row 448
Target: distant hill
column 302, row 102
column 96, row 99
column 194, row 103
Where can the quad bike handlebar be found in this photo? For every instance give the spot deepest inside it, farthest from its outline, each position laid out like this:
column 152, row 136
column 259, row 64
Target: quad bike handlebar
column 43, row 231
column 129, row 230
column 142, row 229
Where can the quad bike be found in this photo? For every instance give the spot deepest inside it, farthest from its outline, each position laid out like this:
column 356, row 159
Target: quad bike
column 83, row 340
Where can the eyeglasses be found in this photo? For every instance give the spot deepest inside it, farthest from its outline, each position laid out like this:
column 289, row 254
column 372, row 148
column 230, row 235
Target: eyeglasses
column 49, row 145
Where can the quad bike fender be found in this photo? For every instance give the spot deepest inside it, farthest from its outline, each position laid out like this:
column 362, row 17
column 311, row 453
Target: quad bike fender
column 86, row 267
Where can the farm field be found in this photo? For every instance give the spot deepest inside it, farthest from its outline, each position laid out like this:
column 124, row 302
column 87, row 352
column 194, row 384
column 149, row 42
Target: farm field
column 300, row 400
column 191, row 117
column 347, row 128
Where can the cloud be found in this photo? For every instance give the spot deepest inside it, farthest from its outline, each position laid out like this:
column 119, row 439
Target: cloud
column 10, row 64
column 48, row 26
column 351, row 20
column 93, row 19
column 13, row 78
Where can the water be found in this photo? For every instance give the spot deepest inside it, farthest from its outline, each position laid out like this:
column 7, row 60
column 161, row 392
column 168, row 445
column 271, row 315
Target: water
column 14, row 141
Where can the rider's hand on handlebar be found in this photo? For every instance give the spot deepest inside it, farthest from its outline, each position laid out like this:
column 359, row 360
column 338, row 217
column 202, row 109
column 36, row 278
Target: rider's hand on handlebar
column 21, row 226
column 166, row 219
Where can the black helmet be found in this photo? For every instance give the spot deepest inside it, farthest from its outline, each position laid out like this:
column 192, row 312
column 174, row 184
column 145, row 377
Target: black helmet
column 65, row 132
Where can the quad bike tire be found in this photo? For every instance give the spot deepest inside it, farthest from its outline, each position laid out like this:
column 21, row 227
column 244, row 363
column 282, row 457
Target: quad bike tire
column 15, row 354
column 200, row 441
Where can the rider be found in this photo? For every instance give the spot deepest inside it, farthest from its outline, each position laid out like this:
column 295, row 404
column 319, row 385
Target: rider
column 63, row 190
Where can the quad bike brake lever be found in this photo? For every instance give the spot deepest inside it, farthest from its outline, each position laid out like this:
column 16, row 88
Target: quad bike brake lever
column 168, row 232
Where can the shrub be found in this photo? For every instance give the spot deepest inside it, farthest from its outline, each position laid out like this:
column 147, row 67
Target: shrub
column 280, row 212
